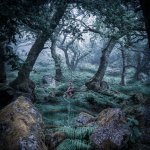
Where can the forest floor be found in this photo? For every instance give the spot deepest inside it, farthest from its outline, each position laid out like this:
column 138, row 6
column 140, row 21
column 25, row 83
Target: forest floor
column 59, row 111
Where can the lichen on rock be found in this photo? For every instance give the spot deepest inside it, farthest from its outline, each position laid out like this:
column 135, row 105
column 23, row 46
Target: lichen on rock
column 111, row 133
column 21, row 126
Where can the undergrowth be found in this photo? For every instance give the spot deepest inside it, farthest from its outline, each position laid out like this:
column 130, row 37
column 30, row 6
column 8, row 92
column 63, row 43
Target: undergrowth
column 77, row 138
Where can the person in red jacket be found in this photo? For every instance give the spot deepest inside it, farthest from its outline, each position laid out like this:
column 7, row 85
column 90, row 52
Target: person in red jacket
column 69, row 90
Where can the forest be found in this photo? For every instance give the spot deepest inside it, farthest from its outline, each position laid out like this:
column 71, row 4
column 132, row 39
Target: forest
column 75, row 74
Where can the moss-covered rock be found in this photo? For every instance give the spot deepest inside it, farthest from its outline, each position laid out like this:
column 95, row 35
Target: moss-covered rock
column 21, row 126
column 83, row 119
column 111, row 116
column 111, row 133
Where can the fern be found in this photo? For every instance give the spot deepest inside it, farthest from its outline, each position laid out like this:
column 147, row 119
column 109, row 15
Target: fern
column 77, row 138
column 135, row 132
column 76, row 144
column 77, row 133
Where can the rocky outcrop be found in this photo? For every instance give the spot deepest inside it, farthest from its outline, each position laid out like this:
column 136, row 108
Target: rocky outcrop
column 21, row 126
column 111, row 116
column 111, row 133
column 84, row 119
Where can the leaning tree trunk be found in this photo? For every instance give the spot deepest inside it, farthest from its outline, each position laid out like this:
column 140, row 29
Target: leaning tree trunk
column 22, row 82
column 2, row 64
column 122, row 82
column 145, row 4
column 96, row 82
column 57, row 60
column 70, row 63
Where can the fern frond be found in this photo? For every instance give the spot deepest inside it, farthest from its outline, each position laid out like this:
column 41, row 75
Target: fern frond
column 69, row 144
column 77, row 133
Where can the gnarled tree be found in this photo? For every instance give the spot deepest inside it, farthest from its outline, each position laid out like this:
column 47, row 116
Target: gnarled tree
column 22, row 82
column 96, row 82
column 2, row 64
column 117, row 25
column 57, row 59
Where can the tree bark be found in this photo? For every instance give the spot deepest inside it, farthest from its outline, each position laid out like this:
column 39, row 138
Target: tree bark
column 67, row 59
column 145, row 62
column 2, row 64
column 22, row 82
column 95, row 82
column 36, row 49
column 138, row 67
column 145, row 4
column 122, row 82
column 57, row 60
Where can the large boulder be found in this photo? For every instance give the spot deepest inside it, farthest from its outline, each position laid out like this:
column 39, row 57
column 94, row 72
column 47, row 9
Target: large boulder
column 111, row 133
column 21, row 126
column 111, row 116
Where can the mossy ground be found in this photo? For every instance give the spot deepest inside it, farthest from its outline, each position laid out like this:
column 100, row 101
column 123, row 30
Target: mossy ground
column 59, row 112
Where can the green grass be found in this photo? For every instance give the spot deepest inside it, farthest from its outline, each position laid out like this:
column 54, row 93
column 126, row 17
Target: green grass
column 133, row 88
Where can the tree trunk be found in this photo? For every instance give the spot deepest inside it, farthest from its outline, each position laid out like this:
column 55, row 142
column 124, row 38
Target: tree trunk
column 145, row 4
column 22, row 82
column 67, row 59
column 57, row 60
column 145, row 62
column 122, row 82
column 138, row 67
column 70, row 63
column 36, row 49
column 73, row 60
column 95, row 82
column 2, row 64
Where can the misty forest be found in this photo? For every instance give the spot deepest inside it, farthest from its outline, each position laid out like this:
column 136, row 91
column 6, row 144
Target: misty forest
column 75, row 74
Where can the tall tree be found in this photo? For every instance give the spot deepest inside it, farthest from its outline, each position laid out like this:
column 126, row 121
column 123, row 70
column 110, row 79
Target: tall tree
column 57, row 11
column 46, row 28
column 117, row 24
column 22, row 82
column 145, row 4
column 57, row 59
column 72, row 47
column 123, row 71
column 2, row 64
column 96, row 82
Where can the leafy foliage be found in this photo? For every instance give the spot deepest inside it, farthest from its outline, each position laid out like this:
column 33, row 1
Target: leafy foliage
column 13, row 59
column 77, row 138
column 77, row 133
column 136, row 87
column 135, row 132
column 73, row 145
